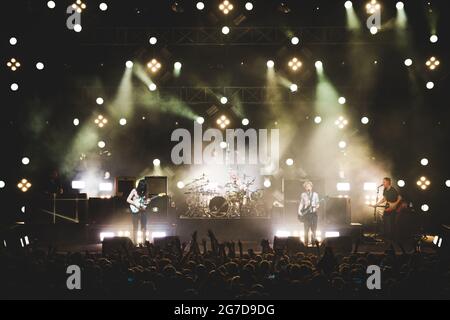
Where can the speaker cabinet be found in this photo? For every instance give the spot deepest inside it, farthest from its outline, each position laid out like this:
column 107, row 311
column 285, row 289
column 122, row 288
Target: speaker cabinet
column 171, row 243
column 337, row 212
column 121, row 245
column 290, row 245
column 339, row 245
column 156, row 185
column 124, row 185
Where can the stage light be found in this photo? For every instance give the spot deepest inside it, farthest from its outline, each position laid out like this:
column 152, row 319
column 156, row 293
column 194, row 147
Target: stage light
column 342, row 144
column 105, row 186
column 153, row 40
column 25, row 161
column 225, row 30
column 249, row 6
column 101, row 144
column 200, row 5
column 106, row 235
column 343, row 186
column 434, row 38
column 40, row 66
column 200, row 120
column 373, row 30
column 76, row 122
column 2, row 184
column 447, row 183
column 319, row 65
column 13, row 64
column 423, row 183
column 400, row 5
column 24, row 185
column 245, row 122
column 223, row 100
column 223, row 145
column 156, row 162
column 79, row 6
column 424, row 162
column 177, row 65
column 408, row 62
column 13, row 41
column 103, row 6
column 332, row 234
column 317, row 119
column 129, row 64
column 295, row 64
column 51, row 4
column 430, row 85
column 158, row 234
column 101, row 121
column 372, row 7
column 348, row 4
column 99, row 100
column 364, row 120
column 152, row 87
column 223, row 122
column 282, row 234
column 14, row 87
column 226, row 7
column 425, row 208
column 295, row 41
column 342, row 100
column 341, row 122
column 432, row 63
column 77, row 28
column 78, row 184
column 180, row 184
column 289, row 162
column 123, row 121
column 267, row 183
column 370, row 186
column 270, row 64
column 107, row 175
column 154, row 66
column 401, row 183
column 293, row 87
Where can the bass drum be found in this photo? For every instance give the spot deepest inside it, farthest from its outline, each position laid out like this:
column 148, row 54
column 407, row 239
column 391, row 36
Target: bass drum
column 218, row 206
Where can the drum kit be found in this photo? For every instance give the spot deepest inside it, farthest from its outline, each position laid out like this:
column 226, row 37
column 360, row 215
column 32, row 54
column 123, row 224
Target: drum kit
column 233, row 200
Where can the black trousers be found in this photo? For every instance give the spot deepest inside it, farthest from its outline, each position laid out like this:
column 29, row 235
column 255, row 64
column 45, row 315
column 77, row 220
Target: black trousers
column 139, row 224
column 310, row 223
column 389, row 231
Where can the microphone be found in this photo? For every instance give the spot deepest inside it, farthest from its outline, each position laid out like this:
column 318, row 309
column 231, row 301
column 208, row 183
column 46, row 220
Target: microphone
column 380, row 186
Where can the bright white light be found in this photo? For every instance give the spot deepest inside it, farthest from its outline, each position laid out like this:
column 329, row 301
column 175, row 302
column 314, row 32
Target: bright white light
column 25, row 161
column 249, row 6
column 332, row 234
column 447, row 183
column 129, row 64
column 225, row 30
column 370, row 186
column 400, row 5
column 364, row 120
column 101, row 144
column 200, row 5
column 289, row 162
column 223, row 145
column 77, row 28
column 51, row 4
column 152, row 87
column 13, row 41
column 282, row 234
column 177, row 65
column 318, row 64
column 200, row 120
column 105, row 235
column 23, row 209
column 342, row 144
column 14, row 87
column 408, row 62
column 39, row 66
column 158, row 234
column 223, row 100
column 342, row 100
column 99, row 100
column 430, row 85
column 76, row 122
column 343, row 186
column 78, row 184
column 123, row 121
column 103, row 6
column 270, row 64
column 107, row 175
column 425, row 207
column 373, row 30
column 180, row 184
column 267, row 183
column 293, row 87
column 245, row 122
column 156, row 162
column 105, row 186
column 153, row 40
column 318, row 119
column 348, row 4
column 2, row 184
column 434, row 38
column 424, row 161
column 401, row 183
column 295, row 41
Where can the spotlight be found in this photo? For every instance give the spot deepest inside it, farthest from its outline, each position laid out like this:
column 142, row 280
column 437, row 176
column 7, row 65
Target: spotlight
column 364, row 120
column 226, row 7
column 425, row 208
column 223, row 145
column 78, row 185
column 430, row 85
column 267, row 183
column 270, row 64
column 77, row 28
column 342, row 100
column 101, row 144
column 348, row 4
column 293, row 87
column 400, row 5
column 224, row 100
column 318, row 64
column 225, row 30
column 13, row 64
column 295, row 41
column 156, row 162
column 99, row 101
column 103, row 6
column 123, row 121
column 105, row 186
column 14, row 87
column 342, row 144
column 343, row 186
column 40, row 66
column 432, row 63
column 245, row 122
column 289, row 162
column 372, row 7
column 13, row 41
column 76, row 122
column 177, row 65
column 317, row 119
column 152, row 87
column 51, row 4
column 408, row 62
column 180, row 184
column 2, row 184
column 24, row 185
column 101, row 121
column 200, row 120
column 129, row 64
column 341, row 122
column 423, row 183
column 424, row 162
column 153, row 40
column 79, row 6
column 373, row 30
column 401, row 183
column 154, row 65
column 295, row 64
column 223, row 122
column 200, row 5
column 447, row 183
column 25, row 161
column 249, row 6
column 434, row 38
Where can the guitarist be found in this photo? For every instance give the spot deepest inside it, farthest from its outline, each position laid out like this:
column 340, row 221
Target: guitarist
column 391, row 196
column 136, row 198
column 307, row 211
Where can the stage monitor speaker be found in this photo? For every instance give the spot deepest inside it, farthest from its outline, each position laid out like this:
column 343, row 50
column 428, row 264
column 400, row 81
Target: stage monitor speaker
column 339, row 244
column 156, row 185
column 114, row 245
column 290, row 245
column 124, row 185
column 171, row 243
column 337, row 212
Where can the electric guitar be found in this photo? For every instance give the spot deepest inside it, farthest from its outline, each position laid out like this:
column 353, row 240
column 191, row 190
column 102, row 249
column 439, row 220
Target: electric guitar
column 390, row 207
column 307, row 210
column 142, row 202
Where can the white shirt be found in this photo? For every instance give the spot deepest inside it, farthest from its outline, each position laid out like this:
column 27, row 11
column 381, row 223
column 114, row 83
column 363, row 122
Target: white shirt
column 306, row 199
